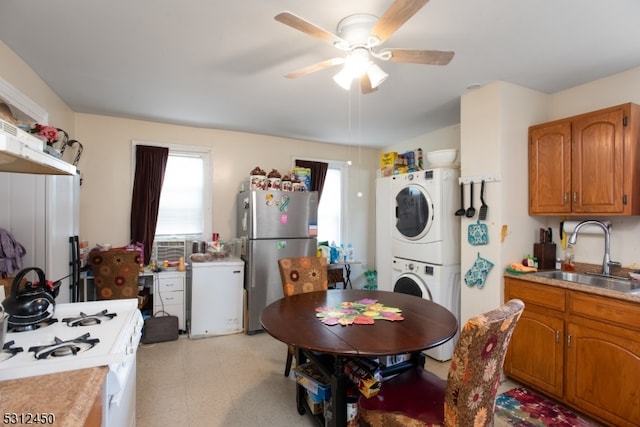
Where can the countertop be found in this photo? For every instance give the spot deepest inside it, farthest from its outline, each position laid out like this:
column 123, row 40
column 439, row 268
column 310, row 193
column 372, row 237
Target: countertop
column 69, row 396
column 576, row 287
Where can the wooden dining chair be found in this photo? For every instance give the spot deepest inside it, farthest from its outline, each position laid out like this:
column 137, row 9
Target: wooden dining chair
column 115, row 273
column 300, row 275
column 467, row 398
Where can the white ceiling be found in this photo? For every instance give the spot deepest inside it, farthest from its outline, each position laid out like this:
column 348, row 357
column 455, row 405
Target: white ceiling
column 220, row 63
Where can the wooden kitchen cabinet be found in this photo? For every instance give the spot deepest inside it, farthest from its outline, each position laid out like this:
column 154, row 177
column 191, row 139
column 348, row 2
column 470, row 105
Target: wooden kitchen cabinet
column 169, row 295
column 579, row 348
column 586, row 164
column 603, row 358
column 536, row 352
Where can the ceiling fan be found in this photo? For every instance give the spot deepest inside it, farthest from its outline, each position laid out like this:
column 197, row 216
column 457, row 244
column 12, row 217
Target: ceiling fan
column 359, row 36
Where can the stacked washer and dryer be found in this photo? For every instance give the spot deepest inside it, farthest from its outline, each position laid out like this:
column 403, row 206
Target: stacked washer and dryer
column 424, row 233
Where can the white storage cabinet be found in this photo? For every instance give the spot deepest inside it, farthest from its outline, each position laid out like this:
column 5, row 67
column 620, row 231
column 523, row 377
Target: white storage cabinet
column 169, row 295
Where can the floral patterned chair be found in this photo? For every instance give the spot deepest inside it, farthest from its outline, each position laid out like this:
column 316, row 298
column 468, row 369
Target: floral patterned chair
column 300, row 275
column 115, row 273
column 467, row 398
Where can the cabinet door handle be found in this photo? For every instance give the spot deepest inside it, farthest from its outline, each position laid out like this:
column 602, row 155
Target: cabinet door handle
column 566, row 198
column 575, row 196
column 568, row 340
column 557, row 337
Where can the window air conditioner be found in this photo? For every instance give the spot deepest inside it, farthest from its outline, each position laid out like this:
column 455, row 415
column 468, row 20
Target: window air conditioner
column 169, row 250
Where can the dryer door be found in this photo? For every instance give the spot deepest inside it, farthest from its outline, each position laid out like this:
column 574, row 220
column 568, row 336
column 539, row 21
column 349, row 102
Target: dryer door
column 414, row 212
column 409, row 283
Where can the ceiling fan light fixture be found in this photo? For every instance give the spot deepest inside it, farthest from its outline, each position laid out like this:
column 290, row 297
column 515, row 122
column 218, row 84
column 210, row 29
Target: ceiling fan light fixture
column 357, row 62
column 376, row 75
column 343, row 78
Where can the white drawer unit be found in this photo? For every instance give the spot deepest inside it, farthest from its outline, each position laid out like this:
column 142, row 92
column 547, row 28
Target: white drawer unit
column 169, row 295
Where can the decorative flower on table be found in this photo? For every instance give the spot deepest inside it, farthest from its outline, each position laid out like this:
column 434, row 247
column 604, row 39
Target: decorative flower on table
column 363, row 312
column 49, row 133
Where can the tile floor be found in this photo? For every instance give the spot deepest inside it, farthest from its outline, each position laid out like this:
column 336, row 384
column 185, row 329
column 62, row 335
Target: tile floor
column 232, row 381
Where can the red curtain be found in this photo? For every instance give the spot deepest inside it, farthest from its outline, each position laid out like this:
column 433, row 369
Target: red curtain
column 147, row 186
column 318, row 174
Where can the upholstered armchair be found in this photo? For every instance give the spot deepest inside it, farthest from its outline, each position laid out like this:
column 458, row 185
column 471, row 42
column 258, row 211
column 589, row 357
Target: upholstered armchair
column 301, row 275
column 467, row 398
column 115, row 273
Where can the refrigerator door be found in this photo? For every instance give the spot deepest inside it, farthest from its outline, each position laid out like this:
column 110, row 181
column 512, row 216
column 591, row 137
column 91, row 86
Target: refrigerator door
column 277, row 214
column 262, row 281
column 61, row 222
column 42, row 212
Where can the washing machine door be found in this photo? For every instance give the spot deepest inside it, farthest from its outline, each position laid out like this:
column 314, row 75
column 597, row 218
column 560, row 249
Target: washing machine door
column 411, row 284
column 414, row 212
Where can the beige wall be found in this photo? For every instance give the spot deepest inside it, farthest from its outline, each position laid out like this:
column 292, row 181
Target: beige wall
column 17, row 73
column 448, row 137
column 106, row 165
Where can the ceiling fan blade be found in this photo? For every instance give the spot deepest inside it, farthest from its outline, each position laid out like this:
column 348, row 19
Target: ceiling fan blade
column 365, row 85
column 394, row 17
column 429, row 57
column 301, row 24
column 315, row 67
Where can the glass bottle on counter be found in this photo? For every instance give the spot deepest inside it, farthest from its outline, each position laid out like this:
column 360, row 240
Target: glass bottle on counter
column 567, row 264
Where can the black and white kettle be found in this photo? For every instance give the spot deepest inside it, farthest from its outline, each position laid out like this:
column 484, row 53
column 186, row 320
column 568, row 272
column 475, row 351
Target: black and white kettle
column 32, row 304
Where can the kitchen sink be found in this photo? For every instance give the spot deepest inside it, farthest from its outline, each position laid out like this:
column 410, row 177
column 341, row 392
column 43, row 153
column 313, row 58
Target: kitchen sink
column 605, row 282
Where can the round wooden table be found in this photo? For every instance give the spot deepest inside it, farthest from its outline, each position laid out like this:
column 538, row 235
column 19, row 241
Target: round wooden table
column 293, row 321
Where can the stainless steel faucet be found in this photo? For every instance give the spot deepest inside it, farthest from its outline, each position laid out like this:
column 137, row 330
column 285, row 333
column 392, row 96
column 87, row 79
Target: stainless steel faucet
column 606, row 227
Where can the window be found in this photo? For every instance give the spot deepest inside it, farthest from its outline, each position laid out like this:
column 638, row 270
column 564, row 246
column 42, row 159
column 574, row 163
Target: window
column 181, row 202
column 332, row 206
column 185, row 202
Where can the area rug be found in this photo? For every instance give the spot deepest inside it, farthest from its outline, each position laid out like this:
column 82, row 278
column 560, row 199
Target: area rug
column 523, row 408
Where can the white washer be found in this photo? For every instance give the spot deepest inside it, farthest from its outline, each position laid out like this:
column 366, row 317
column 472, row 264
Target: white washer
column 440, row 284
column 424, row 225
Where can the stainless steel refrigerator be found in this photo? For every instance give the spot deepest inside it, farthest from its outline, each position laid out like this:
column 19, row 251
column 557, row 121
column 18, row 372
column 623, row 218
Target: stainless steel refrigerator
column 273, row 225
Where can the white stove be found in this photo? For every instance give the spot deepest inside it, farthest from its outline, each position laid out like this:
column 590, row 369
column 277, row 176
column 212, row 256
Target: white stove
column 83, row 335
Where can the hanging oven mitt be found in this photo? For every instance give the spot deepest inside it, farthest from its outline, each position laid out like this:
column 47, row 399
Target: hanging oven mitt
column 478, row 273
column 478, row 234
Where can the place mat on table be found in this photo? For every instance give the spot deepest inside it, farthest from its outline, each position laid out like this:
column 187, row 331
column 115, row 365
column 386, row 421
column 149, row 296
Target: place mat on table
column 362, row 312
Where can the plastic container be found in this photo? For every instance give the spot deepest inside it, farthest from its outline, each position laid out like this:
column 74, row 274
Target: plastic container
column 334, row 255
column 350, row 254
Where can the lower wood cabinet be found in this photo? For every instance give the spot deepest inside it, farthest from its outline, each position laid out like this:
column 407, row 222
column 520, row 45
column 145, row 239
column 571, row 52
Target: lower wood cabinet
column 578, row 348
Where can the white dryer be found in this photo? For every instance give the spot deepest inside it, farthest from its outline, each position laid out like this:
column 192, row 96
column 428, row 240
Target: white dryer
column 440, row 284
column 424, row 225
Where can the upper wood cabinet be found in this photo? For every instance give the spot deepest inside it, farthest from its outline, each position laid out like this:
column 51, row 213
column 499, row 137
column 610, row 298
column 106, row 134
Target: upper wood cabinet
column 587, row 164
